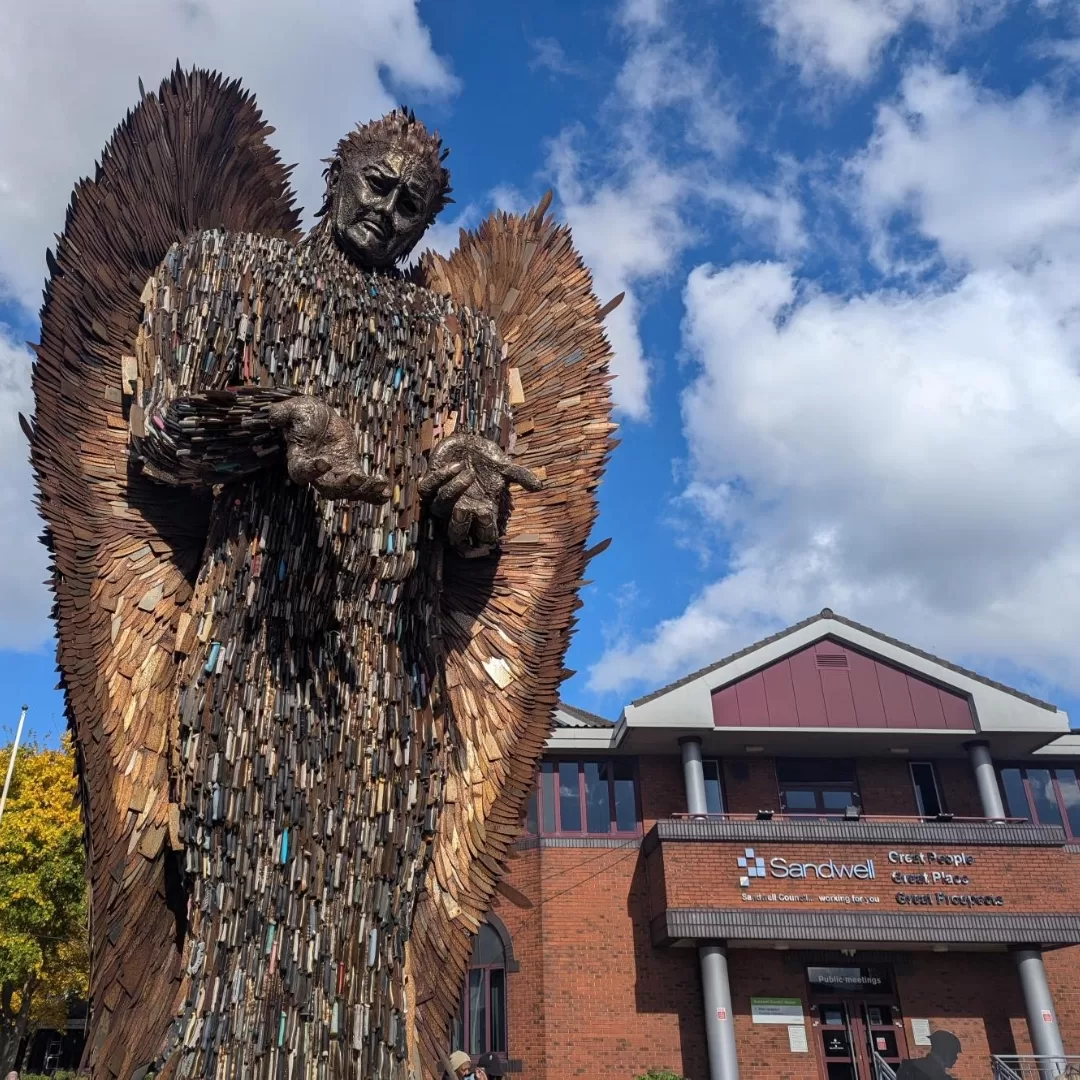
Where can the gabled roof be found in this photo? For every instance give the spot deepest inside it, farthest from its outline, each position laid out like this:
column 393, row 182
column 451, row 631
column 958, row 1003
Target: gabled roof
column 568, row 716
column 827, row 615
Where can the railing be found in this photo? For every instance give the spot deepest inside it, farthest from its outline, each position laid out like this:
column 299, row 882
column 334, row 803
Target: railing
column 928, row 819
column 882, row 1069
column 1034, row 1067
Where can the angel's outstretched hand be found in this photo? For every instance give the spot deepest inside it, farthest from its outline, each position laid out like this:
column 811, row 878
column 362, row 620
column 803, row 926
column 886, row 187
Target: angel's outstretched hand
column 467, row 482
column 321, row 451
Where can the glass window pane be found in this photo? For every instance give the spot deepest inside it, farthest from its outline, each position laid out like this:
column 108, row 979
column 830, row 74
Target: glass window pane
column 838, row 801
column 797, row 801
column 597, row 798
column 547, row 793
column 477, row 1012
column 926, row 790
column 1044, row 796
column 488, row 948
column 531, row 822
column 1015, row 793
column 497, row 981
column 569, row 797
column 1070, row 796
column 714, row 798
column 457, row 1027
column 626, row 817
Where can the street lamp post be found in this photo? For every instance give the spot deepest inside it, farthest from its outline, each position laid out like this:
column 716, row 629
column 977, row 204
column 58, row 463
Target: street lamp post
column 11, row 761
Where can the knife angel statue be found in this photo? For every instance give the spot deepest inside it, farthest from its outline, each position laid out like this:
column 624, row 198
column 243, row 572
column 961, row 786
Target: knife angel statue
column 317, row 529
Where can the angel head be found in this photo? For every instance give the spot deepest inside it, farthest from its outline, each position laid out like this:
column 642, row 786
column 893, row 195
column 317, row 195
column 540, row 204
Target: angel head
column 385, row 185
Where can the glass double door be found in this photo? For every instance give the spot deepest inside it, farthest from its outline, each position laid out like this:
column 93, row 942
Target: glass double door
column 852, row 1030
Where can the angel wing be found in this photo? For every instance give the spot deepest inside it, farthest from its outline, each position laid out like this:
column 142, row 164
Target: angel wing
column 509, row 626
column 124, row 551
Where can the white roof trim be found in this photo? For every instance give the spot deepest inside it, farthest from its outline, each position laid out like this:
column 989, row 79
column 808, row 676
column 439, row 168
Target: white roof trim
column 581, row 738
column 1066, row 746
column 690, row 705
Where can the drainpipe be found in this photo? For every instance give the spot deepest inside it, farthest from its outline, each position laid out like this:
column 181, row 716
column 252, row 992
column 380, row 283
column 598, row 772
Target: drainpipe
column 986, row 781
column 693, row 776
column 719, row 1021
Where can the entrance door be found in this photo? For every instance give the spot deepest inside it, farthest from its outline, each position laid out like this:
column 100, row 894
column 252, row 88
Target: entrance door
column 852, row 1030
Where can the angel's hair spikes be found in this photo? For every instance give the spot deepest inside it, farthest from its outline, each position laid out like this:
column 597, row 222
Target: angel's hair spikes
column 397, row 130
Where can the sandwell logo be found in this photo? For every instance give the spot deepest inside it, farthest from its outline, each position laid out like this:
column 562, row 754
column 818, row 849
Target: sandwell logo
column 754, row 865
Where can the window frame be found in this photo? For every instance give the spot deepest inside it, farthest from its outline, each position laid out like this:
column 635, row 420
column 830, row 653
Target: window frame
column 719, row 764
column 536, row 804
column 932, row 766
column 818, row 787
column 1052, row 768
column 463, row 1022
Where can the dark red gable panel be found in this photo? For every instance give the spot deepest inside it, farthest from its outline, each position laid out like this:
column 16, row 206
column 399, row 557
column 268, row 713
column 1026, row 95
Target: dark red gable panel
column 829, row 685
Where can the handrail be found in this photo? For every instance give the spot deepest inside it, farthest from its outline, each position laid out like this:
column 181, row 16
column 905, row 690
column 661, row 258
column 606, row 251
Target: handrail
column 1036, row 1067
column 882, row 1069
column 930, row 819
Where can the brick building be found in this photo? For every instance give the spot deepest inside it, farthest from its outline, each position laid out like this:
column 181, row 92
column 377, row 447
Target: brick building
column 797, row 864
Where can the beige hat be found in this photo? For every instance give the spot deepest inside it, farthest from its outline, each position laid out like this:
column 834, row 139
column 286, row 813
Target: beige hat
column 459, row 1058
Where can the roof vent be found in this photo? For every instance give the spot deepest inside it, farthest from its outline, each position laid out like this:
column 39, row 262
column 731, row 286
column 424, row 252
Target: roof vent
column 832, row 660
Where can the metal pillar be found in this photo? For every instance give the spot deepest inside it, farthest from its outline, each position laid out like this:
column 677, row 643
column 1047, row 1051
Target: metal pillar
column 693, row 776
column 1039, row 1006
column 719, row 1021
column 986, row 780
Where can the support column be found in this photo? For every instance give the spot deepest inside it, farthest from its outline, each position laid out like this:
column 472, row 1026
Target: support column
column 719, row 1021
column 1038, row 1004
column 986, row 780
column 693, row 776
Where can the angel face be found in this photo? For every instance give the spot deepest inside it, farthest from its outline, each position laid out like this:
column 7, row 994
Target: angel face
column 381, row 204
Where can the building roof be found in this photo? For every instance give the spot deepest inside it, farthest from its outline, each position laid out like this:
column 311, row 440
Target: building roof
column 826, row 614
column 569, row 716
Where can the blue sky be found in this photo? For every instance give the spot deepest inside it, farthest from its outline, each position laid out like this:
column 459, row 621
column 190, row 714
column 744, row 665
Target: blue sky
column 849, row 233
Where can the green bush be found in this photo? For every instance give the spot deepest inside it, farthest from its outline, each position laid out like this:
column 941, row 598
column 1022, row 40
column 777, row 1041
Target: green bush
column 660, row 1074
column 60, row 1074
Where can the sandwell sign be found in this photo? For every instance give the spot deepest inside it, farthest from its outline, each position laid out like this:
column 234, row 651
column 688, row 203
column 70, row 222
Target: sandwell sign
column 937, row 870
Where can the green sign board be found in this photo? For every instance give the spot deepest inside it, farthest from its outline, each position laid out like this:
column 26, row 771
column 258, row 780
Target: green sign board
column 776, row 1010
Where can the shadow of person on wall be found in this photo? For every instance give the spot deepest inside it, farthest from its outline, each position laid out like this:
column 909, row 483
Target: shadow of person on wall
column 944, row 1050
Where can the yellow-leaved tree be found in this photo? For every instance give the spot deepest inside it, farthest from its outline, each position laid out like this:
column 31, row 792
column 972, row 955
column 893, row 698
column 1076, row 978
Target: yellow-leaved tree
column 44, row 958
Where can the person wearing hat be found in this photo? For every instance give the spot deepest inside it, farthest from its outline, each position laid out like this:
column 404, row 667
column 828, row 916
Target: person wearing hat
column 462, row 1065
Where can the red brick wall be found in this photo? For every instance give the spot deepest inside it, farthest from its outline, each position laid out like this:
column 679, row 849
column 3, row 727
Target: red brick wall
column 976, row 996
column 958, row 788
column 1063, row 971
column 886, row 788
column 763, row 1048
column 750, row 785
column 593, row 997
column 662, row 788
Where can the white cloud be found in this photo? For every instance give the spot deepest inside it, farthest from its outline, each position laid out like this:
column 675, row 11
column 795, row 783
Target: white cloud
column 909, row 458
column 631, row 199
column 650, row 13
column 24, row 603
column 989, row 179
column 846, row 38
column 61, row 94
column 630, row 230
column 549, row 55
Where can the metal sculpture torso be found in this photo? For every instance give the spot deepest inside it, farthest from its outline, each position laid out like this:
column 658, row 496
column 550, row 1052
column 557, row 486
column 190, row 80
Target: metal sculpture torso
column 312, row 729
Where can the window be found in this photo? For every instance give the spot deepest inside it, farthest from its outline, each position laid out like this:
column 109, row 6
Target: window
column 480, row 1027
column 584, row 798
column 714, row 791
column 927, row 792
column 817, row 786
column 1046, row 796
